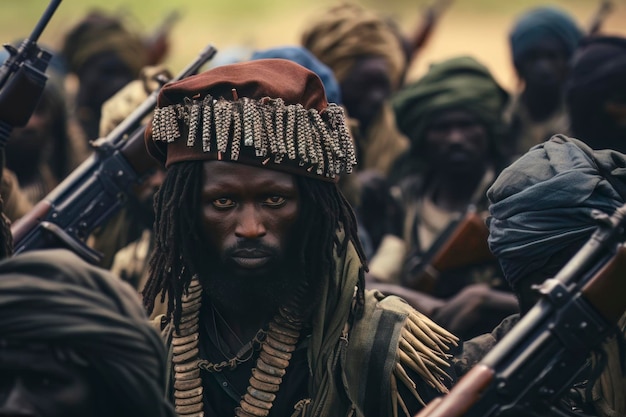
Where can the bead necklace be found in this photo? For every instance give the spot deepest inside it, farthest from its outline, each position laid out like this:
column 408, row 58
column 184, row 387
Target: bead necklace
column 276, row 345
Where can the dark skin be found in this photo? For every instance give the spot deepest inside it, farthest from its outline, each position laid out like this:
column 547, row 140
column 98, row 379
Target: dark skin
column 249, row 216
column 600, row 122
column 457, row 148
column 365, row 89
column 37, row 384
column 379, row 212
column 27, row 146
column 100, row 78
column 543, row 69
column 145, row 192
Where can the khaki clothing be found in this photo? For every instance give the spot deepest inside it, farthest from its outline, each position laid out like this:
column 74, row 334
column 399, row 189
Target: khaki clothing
column 131, row 264
column 16, row 203
column 425, row 225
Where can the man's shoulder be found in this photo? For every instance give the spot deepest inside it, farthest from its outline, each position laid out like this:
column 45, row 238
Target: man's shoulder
column 393, row 345
column 389, row 324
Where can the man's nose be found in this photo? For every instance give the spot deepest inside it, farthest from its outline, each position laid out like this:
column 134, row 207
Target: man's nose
column 14, row 402
column 456, row 134
column 250, row 223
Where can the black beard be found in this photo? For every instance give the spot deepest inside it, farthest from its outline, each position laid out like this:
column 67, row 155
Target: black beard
column 240, row 294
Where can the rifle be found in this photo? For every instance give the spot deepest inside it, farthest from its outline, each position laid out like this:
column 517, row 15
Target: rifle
column 98, row 188
column 462, row 244
column 157, row 43
column 530, row 368
column 23, row 78
column 604, row 10
column 430, row 17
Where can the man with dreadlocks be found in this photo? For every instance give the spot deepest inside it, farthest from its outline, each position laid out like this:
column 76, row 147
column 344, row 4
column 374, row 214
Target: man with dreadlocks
column 258, row 257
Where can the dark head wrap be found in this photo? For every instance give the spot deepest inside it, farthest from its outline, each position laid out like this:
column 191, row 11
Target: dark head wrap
column 457, row 83
column 99, row 33
column 542, row 203
column 267, row 112
column 533, row 27
column 597, row 76
column 53, row 298
column 304, row 57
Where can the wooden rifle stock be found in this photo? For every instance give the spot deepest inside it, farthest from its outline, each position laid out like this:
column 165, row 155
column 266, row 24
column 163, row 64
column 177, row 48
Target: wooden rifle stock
column 606, row 291
column 135, row 152
column 464, row 245
column 484, row 391
column 30, row 220
column 464, row 394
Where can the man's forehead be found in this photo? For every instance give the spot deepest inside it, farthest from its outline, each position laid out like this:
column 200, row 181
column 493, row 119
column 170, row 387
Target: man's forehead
column 233, row 173
column 548, row 44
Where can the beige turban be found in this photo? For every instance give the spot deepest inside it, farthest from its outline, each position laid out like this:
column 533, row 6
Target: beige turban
column 348, row 32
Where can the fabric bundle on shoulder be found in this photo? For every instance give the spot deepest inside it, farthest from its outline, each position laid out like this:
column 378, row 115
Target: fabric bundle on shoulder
column 543, row 202
column 541, row 205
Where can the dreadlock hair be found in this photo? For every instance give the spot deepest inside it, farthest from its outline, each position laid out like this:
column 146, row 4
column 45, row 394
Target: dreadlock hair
column 6, row 238
column 178, row 208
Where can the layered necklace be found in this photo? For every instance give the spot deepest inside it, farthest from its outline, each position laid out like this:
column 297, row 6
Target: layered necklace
column 244, row 354
column 276, row 344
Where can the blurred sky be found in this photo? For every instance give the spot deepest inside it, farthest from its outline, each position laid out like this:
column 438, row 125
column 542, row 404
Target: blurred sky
column 474, row 27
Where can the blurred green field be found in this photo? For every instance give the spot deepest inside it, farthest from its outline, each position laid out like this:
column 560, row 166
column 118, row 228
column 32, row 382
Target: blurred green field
column 475, row 27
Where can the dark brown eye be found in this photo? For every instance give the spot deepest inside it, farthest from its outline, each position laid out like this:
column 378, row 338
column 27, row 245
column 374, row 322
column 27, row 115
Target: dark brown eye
column 223, row 203
column 275, row 201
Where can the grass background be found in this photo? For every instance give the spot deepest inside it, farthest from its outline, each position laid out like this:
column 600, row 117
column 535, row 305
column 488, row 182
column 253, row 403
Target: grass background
column 474, row 27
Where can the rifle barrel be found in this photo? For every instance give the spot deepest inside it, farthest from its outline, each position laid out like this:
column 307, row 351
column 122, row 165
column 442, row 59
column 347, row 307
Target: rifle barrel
column 205, row 55
column 132, row 121
column 45, row 18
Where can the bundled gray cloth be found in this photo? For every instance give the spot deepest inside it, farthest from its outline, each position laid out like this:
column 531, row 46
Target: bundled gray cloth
column 542, row 203
column 53, row 298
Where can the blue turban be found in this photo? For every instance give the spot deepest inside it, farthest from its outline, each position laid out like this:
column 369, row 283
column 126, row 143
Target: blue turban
column 535, row 26
column 302, row 56
column 542, row 203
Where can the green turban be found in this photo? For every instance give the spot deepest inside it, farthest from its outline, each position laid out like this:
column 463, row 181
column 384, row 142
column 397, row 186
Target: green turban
column 460, row 83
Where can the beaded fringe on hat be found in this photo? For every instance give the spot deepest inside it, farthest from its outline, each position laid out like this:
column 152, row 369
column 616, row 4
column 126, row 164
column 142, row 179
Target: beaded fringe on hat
column 318, row 142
